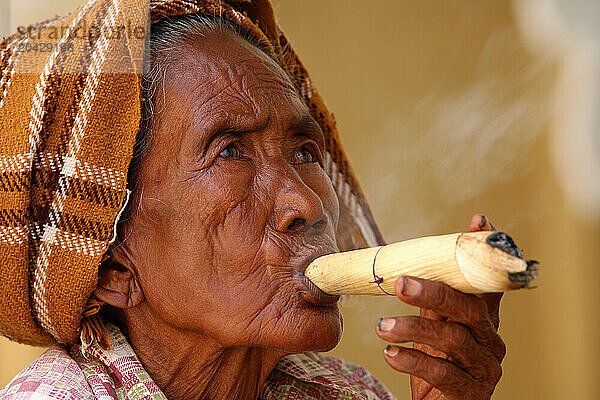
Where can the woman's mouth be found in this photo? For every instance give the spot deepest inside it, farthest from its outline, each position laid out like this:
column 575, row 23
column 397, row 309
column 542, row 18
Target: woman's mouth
column 315, row 296
column 297, row 262
column 309, row 291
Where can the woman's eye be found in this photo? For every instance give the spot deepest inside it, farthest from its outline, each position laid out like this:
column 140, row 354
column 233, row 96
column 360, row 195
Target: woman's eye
column 304, row 155
column 230, row 152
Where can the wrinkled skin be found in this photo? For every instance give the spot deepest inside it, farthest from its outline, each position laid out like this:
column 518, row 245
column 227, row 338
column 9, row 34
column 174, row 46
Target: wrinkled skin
column 231, row 204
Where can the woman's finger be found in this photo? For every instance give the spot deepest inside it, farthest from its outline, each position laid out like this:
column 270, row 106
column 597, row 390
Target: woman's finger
column 449, row 337
column 450, row 379
column 479, row 222
column 492, row 300
column 465, row 308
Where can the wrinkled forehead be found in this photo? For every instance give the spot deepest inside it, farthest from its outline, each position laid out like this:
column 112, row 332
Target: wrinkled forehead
column 222, row 69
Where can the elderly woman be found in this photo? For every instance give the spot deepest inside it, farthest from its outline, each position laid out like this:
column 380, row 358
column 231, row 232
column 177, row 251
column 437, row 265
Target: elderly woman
column 237, row 182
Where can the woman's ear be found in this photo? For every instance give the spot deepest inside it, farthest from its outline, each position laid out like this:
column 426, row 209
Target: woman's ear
column 118, row 285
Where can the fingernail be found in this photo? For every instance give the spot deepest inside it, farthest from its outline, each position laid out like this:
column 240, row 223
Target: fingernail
column 411, row 287
column 386, row 324
column 391, row 351
column 483, row 221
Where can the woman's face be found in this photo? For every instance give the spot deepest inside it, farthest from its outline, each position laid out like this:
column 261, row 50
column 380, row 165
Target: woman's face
column 233, row 203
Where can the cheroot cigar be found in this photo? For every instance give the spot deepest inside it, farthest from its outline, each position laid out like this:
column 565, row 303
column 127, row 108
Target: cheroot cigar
column 474, row 262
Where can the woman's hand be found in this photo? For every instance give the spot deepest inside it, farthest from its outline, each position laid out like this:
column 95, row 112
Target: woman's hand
column 457, row 351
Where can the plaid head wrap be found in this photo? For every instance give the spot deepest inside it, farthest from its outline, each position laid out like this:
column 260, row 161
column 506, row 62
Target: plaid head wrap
column 70, row 96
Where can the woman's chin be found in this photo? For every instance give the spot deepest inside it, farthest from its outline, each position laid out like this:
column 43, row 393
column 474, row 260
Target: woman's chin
column 316, row 330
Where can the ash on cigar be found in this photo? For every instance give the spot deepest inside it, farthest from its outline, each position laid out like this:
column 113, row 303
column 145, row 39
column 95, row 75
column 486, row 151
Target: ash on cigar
column 526, row 277
column 504, row 242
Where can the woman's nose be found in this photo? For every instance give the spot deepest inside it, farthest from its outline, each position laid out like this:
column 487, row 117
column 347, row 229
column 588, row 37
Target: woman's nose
column 298, row 208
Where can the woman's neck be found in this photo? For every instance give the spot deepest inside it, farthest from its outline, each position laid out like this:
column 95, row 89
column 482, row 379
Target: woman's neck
column 187, row 365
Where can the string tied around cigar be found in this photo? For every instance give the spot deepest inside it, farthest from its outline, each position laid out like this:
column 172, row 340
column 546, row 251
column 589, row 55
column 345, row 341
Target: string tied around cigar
column 376, row 278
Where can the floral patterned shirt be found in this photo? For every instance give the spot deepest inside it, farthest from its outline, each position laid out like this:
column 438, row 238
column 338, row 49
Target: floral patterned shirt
column 94, row 373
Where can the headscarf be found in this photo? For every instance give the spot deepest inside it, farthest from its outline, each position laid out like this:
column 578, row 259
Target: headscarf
column 69, row 115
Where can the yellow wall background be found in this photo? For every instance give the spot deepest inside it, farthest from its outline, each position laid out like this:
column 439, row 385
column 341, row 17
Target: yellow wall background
column 445, row 111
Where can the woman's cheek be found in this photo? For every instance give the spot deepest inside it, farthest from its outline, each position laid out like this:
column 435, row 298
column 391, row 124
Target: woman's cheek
column 220, row 192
